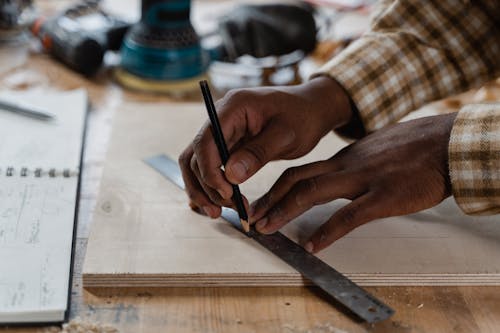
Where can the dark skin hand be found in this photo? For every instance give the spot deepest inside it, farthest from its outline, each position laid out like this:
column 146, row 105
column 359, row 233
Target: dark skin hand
column 259, row 125
column 398, row 170
column 395, row 171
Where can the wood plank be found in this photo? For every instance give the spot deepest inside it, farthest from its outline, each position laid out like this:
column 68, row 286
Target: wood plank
column 145, row 235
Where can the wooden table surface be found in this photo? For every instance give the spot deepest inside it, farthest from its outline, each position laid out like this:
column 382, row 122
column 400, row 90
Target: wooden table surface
column 289, row 310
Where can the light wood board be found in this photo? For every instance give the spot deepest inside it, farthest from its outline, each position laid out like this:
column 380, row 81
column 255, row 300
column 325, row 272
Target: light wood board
column 144, row 234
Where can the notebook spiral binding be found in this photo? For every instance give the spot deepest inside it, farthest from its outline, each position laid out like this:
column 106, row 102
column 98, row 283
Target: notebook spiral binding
column 38, row 172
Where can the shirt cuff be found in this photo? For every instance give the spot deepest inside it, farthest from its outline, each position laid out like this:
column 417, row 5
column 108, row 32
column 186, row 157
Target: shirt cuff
column 353, row 70
column 474, row 159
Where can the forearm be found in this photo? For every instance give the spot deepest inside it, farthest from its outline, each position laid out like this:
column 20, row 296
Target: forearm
column 415, row 53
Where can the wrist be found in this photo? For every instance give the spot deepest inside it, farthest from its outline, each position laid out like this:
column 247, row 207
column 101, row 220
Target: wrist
column 330, row 100
column 446, row 125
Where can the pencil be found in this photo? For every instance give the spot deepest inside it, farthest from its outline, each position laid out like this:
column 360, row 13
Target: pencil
column 25, row 110
column 223, row 151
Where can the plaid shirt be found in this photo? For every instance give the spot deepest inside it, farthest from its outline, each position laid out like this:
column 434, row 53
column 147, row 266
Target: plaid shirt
column 419, row 51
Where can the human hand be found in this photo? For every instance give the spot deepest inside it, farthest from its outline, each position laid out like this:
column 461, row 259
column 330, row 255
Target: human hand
column 397, row 170
column 259, row 125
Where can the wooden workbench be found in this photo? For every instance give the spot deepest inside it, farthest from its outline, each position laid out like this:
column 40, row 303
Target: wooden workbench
column 289, row 310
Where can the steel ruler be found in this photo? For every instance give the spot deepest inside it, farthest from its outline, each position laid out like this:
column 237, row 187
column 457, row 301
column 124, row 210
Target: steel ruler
column 346, row 292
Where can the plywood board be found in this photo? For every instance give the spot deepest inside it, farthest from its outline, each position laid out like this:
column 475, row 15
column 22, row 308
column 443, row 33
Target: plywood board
column 144, row 234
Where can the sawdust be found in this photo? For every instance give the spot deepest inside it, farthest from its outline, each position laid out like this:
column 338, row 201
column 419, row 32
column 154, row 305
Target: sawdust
column 79, row 325
column 318, row 328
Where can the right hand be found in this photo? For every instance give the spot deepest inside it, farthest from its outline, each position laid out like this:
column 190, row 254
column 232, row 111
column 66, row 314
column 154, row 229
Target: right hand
column 260, row 125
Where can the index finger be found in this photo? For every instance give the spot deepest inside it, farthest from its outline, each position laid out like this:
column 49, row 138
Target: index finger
column 234, row 118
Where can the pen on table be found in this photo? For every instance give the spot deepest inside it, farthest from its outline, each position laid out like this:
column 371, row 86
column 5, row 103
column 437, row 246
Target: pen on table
column 25, row 110
column 223, row 151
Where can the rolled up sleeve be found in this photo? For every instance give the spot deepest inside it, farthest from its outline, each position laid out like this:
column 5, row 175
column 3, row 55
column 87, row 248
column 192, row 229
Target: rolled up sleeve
column 474, row 159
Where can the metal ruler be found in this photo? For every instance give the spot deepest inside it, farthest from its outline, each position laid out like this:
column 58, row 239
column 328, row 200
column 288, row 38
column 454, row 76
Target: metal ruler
column 346, row 292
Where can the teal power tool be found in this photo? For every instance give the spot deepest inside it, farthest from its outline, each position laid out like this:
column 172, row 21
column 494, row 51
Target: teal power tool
column 162, row 52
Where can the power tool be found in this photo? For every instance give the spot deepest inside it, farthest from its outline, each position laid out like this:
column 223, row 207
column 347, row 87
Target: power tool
column 15, row 16
column 162, row 52
column 80, row 35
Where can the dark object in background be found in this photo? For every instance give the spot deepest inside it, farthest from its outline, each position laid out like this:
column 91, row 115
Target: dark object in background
column 11, row 11
column 80, row 36
column 266, row 30
column 164, row 46
column 15, row 16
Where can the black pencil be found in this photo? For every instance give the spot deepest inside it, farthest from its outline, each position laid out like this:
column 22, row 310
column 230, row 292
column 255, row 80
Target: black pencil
column 223, row 151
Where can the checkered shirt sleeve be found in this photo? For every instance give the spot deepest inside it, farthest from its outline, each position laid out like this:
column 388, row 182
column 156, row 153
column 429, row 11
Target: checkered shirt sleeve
column 474, row 159
column 419, row 51
column 416, row 52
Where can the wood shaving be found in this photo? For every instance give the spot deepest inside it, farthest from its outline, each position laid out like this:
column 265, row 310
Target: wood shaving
column 318, row 328
column 79, row 325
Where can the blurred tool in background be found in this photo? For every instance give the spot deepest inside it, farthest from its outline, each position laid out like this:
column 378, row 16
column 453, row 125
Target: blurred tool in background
column 266, row 30
column 163, row 53
column 80, row 35
column 249, row 45
column 15, row 16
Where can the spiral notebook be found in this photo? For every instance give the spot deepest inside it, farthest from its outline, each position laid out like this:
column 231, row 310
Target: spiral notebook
column 39, row 179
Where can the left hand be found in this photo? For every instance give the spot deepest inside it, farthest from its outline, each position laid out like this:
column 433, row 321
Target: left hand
column 397, row 170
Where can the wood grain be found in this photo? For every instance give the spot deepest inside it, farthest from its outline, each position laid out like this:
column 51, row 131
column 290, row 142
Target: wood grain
column 144, row 234
column 284, row 310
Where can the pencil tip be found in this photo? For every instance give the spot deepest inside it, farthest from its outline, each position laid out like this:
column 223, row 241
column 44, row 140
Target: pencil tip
column 245, row 225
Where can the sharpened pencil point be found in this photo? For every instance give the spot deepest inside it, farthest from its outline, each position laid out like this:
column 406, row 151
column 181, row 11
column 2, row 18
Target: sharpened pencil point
column 245, row 225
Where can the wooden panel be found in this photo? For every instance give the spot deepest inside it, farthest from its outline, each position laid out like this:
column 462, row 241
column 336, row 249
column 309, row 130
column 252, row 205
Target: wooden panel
column 145, row 235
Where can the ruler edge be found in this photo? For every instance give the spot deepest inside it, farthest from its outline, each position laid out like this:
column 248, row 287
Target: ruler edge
column 230, row 216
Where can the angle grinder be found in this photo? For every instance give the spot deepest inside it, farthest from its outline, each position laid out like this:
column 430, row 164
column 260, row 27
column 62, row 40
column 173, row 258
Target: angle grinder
column 162, row 52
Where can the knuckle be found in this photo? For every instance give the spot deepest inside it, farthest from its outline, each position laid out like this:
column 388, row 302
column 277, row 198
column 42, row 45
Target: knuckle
column 185, row 157
column 264, row 202
column 193, row 164
column 305, row 190
column 209, row 177
column 258, row 152
column 198, row 140
column 291, row 175
column 216, row 198
column 308, row 186
column 194, row 196
column 233, row 94
column 350, row 215
column 277, row 214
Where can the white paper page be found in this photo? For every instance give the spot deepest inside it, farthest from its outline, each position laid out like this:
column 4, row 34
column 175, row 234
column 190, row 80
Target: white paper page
column 36, row 228
column 34, row 143
column 37, row 213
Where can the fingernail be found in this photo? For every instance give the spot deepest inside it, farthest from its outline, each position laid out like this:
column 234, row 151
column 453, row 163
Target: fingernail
column 261, row 224
column 223, row 194
column 309, row 247
column 240, row 169
column 208, row 210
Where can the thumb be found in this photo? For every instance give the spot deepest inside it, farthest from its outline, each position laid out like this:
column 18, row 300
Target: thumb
column 270, row 144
